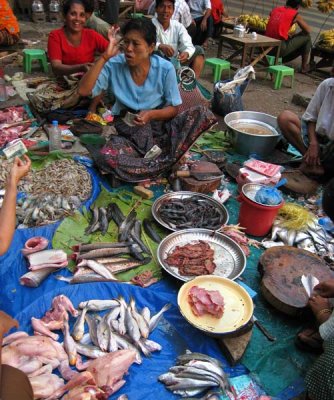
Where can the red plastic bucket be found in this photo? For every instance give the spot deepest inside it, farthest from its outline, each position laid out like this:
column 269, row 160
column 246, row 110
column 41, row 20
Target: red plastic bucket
column 256, row 218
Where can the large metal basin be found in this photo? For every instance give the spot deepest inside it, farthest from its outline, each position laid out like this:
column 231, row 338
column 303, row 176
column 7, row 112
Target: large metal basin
column 248, row 143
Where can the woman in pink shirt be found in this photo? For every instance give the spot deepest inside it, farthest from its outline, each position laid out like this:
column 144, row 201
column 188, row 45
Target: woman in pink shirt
column 72, row 48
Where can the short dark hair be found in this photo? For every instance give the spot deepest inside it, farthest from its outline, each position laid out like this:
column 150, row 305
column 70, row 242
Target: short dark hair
column 89, row 6
column 293, row 3
column 143, row 25
column 68, row 4
column 328, row 199
column 158, row 2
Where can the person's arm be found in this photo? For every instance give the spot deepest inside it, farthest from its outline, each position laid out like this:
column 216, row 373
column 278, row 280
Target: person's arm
column 303, row 25
column 60, row 69
column 8, row 210
column 186, row 47
column 163, row 114
column 311, row 157
column 88, row 81
column 204, row 23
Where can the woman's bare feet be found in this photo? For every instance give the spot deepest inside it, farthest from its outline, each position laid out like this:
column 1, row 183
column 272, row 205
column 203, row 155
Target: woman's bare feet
column 320, row 307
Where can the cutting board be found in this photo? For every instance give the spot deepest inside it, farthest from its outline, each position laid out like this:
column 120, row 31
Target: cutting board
column 282, row 268
column 201, row 186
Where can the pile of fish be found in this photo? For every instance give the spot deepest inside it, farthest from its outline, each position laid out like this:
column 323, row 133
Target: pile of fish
column 191, row 212
column 314, row 239
column 96, row 262
column 37, row 210
column 195, row 373
column 51, row 192
column 113, row 342
column 41, row 262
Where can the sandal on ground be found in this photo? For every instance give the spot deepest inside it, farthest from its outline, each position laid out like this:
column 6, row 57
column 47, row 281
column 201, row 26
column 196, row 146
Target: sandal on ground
column 311, row 342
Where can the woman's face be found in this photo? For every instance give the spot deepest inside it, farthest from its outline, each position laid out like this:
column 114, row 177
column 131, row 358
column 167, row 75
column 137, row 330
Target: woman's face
column 75, row 19
column 136, row 49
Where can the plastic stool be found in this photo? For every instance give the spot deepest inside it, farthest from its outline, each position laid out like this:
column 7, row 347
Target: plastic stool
column 280, row 71
column 34, row 54
column 137, row 15
column 271, row 60
column 218, row 65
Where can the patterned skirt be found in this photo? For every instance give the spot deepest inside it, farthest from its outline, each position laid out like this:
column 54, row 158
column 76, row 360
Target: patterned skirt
column 319, row 380
column 123, row 155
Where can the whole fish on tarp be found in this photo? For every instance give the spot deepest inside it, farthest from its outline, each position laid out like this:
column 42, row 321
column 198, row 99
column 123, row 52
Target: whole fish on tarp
column 195, row 373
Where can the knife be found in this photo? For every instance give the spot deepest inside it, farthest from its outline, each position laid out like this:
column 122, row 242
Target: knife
column 263, row 329
column 200, row 176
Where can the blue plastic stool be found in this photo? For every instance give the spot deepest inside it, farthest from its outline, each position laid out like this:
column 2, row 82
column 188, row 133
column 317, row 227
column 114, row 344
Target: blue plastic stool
column 29, row 55
column 218, row 65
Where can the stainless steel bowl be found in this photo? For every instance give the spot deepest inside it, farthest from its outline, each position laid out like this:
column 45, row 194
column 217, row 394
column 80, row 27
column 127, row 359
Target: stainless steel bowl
column 250, row 189
column 246, row 143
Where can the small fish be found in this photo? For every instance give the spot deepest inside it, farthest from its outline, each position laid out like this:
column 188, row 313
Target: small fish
column 131, row 325
column 105, row 252
column 94, row 246
column 89, row 351
column 146, row 313
column 79, row 326
column 189, row 356
column 121, row 319
column 99, row 305
column 94, row 221
column 141, row 322
column 98, row 268
column 150, row 231
column 103, row 335
column 154, row 321
column 69, row 344
column 126, row 226
column 92, row 322
column 103, row 220
column 136, row 236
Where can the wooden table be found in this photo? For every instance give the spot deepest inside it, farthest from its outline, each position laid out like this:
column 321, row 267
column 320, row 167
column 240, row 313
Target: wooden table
column 247, row 44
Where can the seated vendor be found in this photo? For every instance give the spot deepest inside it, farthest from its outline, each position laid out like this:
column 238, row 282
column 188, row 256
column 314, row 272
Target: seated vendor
column 144, row 84
column 313, row 135
column 72, row 48
column 94, row 22
column 173, row 40
column 292, row 46
column 319, row 379
column 9, row 26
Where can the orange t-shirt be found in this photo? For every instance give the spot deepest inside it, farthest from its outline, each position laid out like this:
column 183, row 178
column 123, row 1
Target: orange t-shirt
column 8, row 20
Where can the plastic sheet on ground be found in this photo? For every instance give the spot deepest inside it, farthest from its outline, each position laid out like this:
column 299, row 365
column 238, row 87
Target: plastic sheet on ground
column 173, row 333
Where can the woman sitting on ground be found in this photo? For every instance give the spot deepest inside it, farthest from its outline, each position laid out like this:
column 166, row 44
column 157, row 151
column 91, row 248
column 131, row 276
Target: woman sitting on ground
column 147, row 96
column 72, row 48
column 9, row 26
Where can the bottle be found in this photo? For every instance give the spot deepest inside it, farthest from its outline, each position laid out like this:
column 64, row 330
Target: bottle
column 54, row 136
column 327, row 224
column 3, row 90
column 37, row 6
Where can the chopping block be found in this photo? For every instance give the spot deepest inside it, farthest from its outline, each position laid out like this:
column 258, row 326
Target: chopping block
column 202, row 169
column 235, row 347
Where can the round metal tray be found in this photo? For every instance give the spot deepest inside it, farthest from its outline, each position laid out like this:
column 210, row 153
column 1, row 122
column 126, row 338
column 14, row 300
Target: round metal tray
column 228, row 255
column 184, row 195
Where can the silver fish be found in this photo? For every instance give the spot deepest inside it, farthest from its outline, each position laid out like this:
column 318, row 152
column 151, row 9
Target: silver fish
column 121, row 319
column 103, row 220
column 141, row 322
column 103, row 334
column 99, row 305
column 150, row 345
column 124, row 343
column 79, row 326
column 85, row 339
column 93, row 321
column 69, row 344
column 189, row 356
column 35, row 278
column 155, row 319
column 131, row 325
column 89, row 351
column 146, row 313
column 98, row 268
